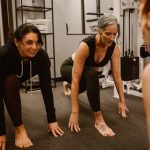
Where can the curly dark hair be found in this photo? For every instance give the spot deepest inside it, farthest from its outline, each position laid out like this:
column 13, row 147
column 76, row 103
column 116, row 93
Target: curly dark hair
column 26, row 28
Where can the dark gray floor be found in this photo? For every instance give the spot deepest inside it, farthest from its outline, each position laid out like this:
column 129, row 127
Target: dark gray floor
column 131, row 132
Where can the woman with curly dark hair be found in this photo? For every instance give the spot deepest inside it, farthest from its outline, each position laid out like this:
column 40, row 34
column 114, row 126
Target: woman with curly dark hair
column 21, row 58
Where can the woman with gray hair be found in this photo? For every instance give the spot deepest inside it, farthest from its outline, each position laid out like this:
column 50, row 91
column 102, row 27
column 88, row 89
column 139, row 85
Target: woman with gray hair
column 80, row 71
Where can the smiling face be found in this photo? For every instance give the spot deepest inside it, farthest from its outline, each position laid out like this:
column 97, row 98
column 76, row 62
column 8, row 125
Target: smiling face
column 109, row 34
column 29, row 46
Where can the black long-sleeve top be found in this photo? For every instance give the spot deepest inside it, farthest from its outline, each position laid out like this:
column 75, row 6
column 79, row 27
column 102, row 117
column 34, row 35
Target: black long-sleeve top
column 10, row 63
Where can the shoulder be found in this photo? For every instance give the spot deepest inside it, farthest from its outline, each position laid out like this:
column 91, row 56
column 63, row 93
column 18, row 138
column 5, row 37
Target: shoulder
column 82, row 50
column 85, row 46
column 42, row 57
column 89, row 40
column 88, row 43
column 116, row 53
column 42, row 54
column 116, row 47
column 4, row 49
column 8, row 51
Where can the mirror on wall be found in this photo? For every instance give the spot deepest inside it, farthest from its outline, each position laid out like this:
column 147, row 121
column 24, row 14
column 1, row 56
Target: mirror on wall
column 73, row 17
column 91, row 13
column 82, row 14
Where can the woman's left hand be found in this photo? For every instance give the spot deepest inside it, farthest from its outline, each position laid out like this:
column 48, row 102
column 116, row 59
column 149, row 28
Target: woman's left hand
column 123, row 109
column 55, row 129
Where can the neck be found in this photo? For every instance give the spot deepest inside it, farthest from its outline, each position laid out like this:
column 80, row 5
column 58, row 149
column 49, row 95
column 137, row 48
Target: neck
column 100, row 43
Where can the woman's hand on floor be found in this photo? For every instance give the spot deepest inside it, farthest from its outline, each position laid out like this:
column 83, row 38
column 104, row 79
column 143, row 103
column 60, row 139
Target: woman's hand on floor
column 55, row 129
column 123, row 109
column 3, row 142
column 73, row 122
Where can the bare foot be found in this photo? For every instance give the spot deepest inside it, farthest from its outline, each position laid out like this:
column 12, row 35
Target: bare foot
column 104, row 130
column 21, row 138
column 67, row 90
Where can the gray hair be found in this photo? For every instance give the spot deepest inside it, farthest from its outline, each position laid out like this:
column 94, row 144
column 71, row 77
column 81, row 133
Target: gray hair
column 106, row 20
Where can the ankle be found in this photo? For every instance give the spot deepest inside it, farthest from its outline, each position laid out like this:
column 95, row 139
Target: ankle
column 20, row 129
column 67, row 88
column 98, row 117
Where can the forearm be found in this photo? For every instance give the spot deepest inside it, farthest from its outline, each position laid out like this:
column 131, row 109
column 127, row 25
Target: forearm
column 46, row 89
column 119, row 87
column 74, row 97
column 49, row 105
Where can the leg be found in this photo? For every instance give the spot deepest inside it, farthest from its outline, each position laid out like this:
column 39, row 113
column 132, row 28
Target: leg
column 13, row 105
column 93, row 93
column 66, row 73
column 89, row 81
column 67, row 88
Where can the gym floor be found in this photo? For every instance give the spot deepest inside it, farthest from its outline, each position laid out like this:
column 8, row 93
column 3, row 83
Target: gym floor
column 131, row 133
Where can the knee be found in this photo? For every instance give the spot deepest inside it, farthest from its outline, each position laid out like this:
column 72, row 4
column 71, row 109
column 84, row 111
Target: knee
column 11, row 81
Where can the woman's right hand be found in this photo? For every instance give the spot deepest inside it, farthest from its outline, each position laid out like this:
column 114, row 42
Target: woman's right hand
column 73, row 122
column 3, row 142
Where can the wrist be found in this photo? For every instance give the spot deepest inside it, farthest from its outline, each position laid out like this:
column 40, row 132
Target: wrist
column 74, row 112
column 122, row 100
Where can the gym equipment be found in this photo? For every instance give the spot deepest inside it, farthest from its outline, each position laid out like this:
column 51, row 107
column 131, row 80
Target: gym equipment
column 130, row 87
column 129, row 4
column 105, row 79
column 129, row 62
column 129, row 68
column 143, row 51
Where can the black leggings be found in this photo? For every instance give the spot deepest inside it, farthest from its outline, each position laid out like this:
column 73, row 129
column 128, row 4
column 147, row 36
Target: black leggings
column 10, row 95
column 89, row 82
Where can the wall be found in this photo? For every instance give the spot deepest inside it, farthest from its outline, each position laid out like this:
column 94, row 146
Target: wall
column 65, row 44
column 73, row 18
